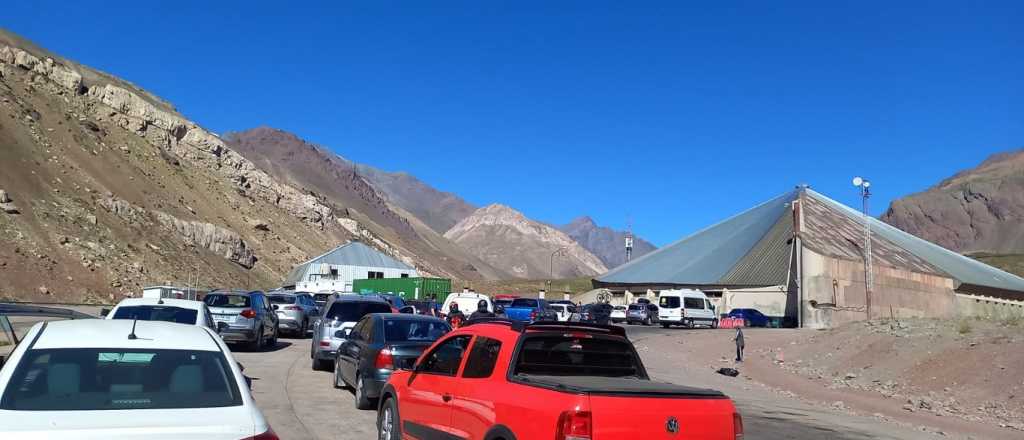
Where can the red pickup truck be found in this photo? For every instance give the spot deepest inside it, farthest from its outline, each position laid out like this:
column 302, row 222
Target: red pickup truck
column 501, row 380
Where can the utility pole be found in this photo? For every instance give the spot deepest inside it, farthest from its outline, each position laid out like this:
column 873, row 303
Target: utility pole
column 551, row 267
column 629, row 240
column 869, row 277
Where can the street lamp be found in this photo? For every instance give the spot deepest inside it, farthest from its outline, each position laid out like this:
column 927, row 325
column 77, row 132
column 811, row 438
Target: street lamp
column 869, row 278
column 551, row 269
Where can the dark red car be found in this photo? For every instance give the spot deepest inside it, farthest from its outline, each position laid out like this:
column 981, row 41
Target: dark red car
column 496, row 380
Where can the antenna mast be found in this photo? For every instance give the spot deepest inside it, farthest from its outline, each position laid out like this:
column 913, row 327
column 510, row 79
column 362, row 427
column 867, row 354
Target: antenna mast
column 629, row 239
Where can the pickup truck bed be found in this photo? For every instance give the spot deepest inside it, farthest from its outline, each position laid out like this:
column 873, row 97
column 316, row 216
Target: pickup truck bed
column 617, row 386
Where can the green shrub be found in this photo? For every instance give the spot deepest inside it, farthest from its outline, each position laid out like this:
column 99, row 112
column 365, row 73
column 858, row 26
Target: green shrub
column 964, row 327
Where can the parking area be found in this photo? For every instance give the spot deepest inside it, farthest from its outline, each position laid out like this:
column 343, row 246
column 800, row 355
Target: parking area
column 303, row 404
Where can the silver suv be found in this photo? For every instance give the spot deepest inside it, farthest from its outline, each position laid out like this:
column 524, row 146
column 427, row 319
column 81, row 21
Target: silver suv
column 340, row 314
column 247, row 314
column 296, row 311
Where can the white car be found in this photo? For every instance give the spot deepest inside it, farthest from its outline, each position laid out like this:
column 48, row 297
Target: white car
column 182, row 311
column 619, row 314
column 566, row 312
column 125, row 379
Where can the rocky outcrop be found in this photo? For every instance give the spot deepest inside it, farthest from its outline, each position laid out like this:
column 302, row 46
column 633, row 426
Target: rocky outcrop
column 6, row 204
column 64, row 76
column 605, row 243
column 221, row 241
column 980, row 210
column 504, row 237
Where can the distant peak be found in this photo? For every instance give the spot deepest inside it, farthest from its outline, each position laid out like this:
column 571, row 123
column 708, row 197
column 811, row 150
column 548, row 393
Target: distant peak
column 583, row 221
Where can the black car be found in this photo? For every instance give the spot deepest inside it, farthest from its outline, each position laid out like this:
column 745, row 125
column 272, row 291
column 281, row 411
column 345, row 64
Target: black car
column 377, row 345
column 596, row 313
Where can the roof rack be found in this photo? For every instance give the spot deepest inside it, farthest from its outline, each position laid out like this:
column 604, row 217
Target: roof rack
column 521, row 326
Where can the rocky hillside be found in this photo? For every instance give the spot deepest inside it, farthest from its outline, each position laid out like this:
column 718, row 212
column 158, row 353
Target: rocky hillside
column 438, row 209
column 605, row 243
column 505, row 238
column 979, row 211
column 318, row 171
column 107, row 188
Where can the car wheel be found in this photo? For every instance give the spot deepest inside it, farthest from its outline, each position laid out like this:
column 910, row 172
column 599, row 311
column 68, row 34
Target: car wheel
column 664, row 325
column 272, row 342
column 388, row 423
column 319, row 364
column 362, row 401
column 714, row 323
column 255, row 344
column 305, row 328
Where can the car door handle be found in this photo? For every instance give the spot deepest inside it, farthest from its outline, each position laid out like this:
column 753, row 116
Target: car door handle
column 446, row 397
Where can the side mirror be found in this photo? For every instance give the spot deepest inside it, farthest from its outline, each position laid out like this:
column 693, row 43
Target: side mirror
column 407, row 309
column 221, row 326
column 343, row 334
column 275, row 306
column 104, row 312
column 240, row 366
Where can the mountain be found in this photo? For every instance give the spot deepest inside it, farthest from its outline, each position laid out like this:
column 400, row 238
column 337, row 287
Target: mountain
column 317, row 170
column 607, row 244
column 438, row 209
column 979, row 211
column 505, row 238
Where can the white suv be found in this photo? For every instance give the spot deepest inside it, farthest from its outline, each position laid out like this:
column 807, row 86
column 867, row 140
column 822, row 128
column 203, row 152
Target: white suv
column 125, row 379
column 182, row 311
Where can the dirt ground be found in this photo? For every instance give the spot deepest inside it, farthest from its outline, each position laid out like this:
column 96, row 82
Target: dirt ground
column 957, row 378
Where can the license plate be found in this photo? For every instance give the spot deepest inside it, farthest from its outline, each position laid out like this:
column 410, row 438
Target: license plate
column 224, row 318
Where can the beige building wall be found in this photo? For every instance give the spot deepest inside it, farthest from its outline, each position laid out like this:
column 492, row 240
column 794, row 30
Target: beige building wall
column 768, row 300
column 977, row 306
column 834, row 293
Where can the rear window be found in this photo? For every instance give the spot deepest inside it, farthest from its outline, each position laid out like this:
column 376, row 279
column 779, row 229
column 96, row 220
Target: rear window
column 414, row 330
column 352, row 311
column 282, row 299
column 157, row 313
column 693, row 303
column 218, row 300
column 85, row 379
column 524, row 302
column 671, row 302
column 636, row 307
column 558, row 355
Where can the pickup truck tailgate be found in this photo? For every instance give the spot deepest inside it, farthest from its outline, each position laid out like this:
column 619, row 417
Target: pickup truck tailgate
column 518, row 313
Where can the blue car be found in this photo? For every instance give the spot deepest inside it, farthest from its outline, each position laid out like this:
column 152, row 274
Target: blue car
column 750, row 317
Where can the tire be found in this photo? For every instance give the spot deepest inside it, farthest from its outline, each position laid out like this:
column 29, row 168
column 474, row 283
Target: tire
column 319, row 364
column 272, row 342
column 305, row 328
column 665, row 325
column 255, row 344
column 361, row 400
column 389, row 424
column 714, row 323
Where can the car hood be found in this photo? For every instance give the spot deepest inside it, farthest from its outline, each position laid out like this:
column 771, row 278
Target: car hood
column 229, row 423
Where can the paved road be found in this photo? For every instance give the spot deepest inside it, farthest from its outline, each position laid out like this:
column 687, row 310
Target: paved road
column 303, row 404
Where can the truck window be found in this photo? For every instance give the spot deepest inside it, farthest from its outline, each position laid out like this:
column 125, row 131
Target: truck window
column 445, row 358
column 524, row 303
column 671, row 302
column 482, row 358
column 693, row 303
column 351, row 311
column 560, row 355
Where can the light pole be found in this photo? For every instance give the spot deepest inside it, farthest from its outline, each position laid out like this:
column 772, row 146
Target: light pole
column 869, row 278
column 551, row 267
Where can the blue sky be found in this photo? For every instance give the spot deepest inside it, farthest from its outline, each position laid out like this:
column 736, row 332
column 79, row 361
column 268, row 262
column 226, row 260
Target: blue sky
column 674, row 114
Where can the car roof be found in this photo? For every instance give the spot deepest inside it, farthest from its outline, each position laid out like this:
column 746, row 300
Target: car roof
column 182, row 303
column 349, row 297
column 113, row 333
column 405, row 317
column 234, row 292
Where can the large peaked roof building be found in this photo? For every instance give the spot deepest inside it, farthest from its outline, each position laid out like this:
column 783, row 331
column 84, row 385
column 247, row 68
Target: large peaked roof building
column 339, row 267
column 801, row 254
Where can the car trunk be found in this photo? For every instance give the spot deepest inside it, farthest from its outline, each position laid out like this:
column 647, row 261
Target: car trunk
column 230, row 315
column 623, row 408
column 406, row 353
column 228, row 423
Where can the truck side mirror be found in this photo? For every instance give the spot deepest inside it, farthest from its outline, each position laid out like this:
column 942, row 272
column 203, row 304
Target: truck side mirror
column 104, row 312
column 221, row 326
column 275, row 306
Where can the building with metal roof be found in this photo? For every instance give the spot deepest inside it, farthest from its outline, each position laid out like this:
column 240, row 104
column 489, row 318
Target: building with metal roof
column 335, row 271
column 800, row 257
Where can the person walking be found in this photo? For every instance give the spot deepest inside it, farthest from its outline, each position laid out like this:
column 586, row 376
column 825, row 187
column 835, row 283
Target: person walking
column 739, row 344
column 455, row 316
column 481, row 311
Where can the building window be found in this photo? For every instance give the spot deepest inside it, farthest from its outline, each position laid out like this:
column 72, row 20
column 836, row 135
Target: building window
column 405, row 275
column 334, row 273
column 374, row 275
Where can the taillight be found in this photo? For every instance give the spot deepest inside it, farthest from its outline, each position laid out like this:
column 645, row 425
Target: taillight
column 737, row 425
column 384, row 359
column 325, row 343
column 268, row 435
column 248, row 313
column 574, row 425
column 533, row 315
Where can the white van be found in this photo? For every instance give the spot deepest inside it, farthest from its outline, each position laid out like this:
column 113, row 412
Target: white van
column 467, row 302
column 687, row 307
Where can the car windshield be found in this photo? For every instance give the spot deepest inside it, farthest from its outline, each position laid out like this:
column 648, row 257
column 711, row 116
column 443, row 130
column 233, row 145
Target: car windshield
column 410, row 330
column 671, row 302
column 217, row 300
column 85, row 379
column 351, row 311
column 524, row 302
column 157, row 313
column 282, row 299
column 558, row 355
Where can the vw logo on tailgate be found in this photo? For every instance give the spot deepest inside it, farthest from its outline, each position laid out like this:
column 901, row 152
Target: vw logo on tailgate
column 672, row 425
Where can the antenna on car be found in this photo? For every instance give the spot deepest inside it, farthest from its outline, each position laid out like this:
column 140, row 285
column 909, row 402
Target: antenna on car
column 160, row 301
column 131, row 336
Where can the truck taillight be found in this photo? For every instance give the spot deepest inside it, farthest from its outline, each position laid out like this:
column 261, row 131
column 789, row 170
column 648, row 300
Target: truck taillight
column 384, row 359
column 268, row 435
column 248, row 313
column 737, row 425
column 574, row 425
column 533, row 315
